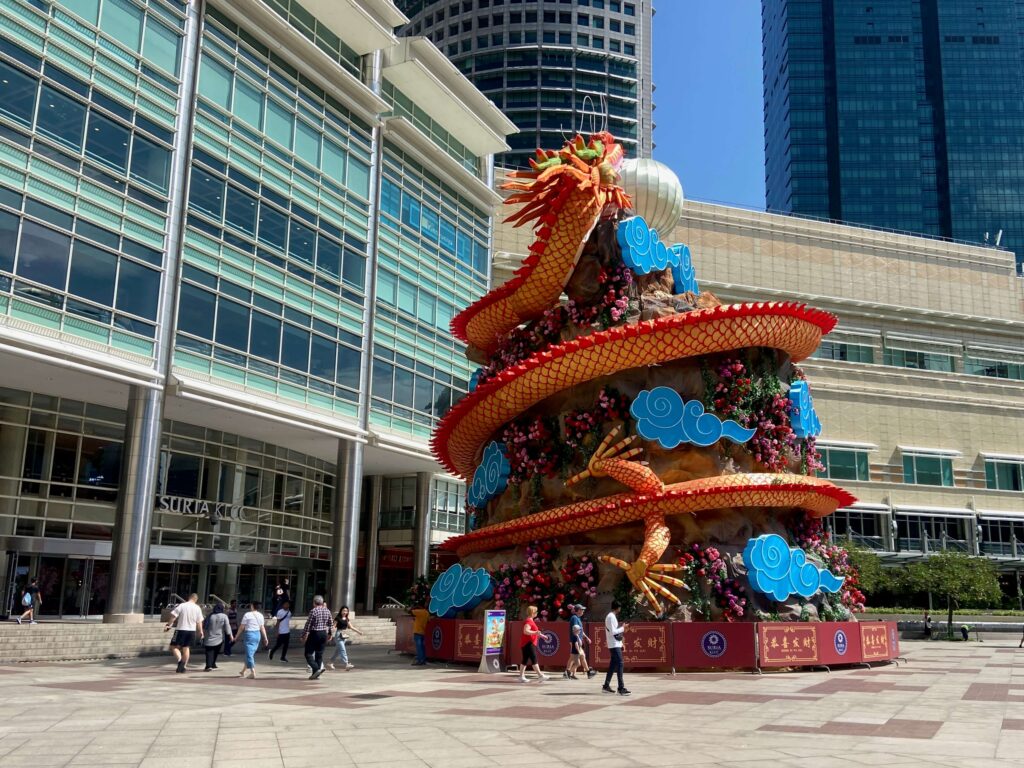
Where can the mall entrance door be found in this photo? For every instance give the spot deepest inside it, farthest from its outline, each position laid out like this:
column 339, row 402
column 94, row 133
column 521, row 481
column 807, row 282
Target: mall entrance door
column 69, row 587
column 169, row 582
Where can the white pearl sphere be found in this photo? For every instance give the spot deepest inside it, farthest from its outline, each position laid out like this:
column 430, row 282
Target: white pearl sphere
column 656, row 192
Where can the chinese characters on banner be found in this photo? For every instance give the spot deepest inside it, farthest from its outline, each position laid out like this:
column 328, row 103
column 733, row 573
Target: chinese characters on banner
column 643, row 645
column 874, row 641
column 787, row 645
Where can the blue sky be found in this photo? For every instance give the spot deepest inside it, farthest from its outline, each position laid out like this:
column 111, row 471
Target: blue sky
column 707, row 69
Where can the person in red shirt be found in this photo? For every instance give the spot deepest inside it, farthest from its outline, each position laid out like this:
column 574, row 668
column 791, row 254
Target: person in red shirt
column 528, row 642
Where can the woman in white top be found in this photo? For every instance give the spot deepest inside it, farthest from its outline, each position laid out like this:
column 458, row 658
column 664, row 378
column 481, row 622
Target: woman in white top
column 252, row 628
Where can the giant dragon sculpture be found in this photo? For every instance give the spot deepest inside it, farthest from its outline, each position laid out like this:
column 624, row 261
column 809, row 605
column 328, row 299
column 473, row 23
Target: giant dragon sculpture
column 612, row 497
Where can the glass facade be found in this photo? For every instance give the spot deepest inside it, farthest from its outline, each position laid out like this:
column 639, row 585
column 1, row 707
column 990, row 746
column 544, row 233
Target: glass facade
column 844, row 464
column 927, row 470
column 897, row 114
column 270, row 197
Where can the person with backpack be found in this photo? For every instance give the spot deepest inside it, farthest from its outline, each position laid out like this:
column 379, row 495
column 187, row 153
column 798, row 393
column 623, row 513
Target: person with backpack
column 30, row 601
column 284, row 631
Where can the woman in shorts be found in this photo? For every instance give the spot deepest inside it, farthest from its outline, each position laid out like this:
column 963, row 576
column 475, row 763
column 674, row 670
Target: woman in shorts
column 528, row 642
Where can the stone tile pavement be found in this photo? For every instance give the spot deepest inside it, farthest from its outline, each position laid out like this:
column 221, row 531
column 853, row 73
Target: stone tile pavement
column 952, row 704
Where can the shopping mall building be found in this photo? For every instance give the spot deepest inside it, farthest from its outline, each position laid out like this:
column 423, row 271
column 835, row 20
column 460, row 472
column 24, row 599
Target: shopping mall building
column 232, row 236
column 921, row 386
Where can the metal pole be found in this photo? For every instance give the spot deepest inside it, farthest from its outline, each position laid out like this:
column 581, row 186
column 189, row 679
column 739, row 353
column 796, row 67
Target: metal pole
column 129, row 555
column 421, row 543
column 372, row 546
column 348, row 479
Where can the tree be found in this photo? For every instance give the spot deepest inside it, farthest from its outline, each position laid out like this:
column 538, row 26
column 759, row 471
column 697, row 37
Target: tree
column 961, row 578
column 872, row 576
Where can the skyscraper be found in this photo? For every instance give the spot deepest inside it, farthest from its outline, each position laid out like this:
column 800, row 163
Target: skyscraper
column 903, row 114
column 554, row 67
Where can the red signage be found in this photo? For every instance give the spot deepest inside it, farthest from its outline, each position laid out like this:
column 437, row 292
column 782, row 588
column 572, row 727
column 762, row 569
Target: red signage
column 552, row 647
column 645, row 644
column 395, row 558
column 874, row 641
column 838, row 642
column 469, row 640
column 787, row 644
column 440, row 639
column 698, row 645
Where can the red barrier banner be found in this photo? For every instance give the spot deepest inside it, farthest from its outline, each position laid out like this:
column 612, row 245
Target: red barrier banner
column 645, row 644
column 787, row 644
column 403, row 635
column 469, row 640
column 875, row 642
column 839, row 642
column 552, row 647
column 698, row 645
column 440, row 639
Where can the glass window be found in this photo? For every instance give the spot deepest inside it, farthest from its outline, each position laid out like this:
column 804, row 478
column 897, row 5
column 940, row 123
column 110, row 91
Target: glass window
column 123, row 22
column 138, row 289
column 403, row 387
column 232, row 324
column 411, row 212
column 8, row 240
column 151, row 163
column 107, row 142
column 241, row 210
column 358, row 177
column 301, row 243
column 17, row 94
column 383, row 377
column 448, row 235
column 248, row 103
column 93, row 272
column 195, row 311
column 334, row 161
column 215, row 82
column 100, row 464
column 161, row 45
column 86, row 9
column 265, row 340
column 843, row 464
column 1004, row 475
column 43, row 255
column 183, row 475
column 295, row 348
column 307, row 144
column 355, row 270
column 927, row 470
column 280, row 124
column 328, row 256
column 206, row 193
column 348, row 366
column 61, row 117
column 407, row 297
column 273, row 227
column 322, row 357
column 390, row 198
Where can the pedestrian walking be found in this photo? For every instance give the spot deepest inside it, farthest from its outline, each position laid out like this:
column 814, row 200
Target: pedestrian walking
column 342, row 624
column 315, row 635
column 1021, row 645
column 232, row 614
column 187, row 619
column 218, row 632
column 927, row 626
column 253, row 628
column 528, row 644
column 420, row 617
column 613, row 632
column 30, row 602
column 284, row 631
column 578, row 641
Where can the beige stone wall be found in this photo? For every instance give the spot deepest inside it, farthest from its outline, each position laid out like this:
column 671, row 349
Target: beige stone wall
column 884, row 288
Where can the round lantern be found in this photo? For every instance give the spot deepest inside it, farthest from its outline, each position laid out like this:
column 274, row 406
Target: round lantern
column 656, row 192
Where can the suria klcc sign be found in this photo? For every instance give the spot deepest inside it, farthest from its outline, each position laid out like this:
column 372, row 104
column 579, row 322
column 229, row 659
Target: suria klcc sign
column 214, row 511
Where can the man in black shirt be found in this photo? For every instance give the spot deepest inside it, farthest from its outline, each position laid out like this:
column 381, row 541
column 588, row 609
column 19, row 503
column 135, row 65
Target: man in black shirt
column 30, row 601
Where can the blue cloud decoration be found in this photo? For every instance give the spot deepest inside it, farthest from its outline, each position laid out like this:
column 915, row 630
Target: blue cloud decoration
column 802, row 416
column 776, row 570
column 663, row 417
column 459, row 589
column 491, row 477
column 643, row 252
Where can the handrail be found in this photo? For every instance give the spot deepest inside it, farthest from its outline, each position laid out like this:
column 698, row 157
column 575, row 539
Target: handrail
column 180, row 598
column 395, row 601
column 219, row 599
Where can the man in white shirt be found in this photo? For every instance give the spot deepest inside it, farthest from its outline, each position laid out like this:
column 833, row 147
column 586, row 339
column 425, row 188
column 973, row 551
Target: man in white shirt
column 189, row 618
column 613, row 632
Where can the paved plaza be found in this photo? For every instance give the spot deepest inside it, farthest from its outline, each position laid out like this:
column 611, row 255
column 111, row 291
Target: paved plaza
column 951, row 704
